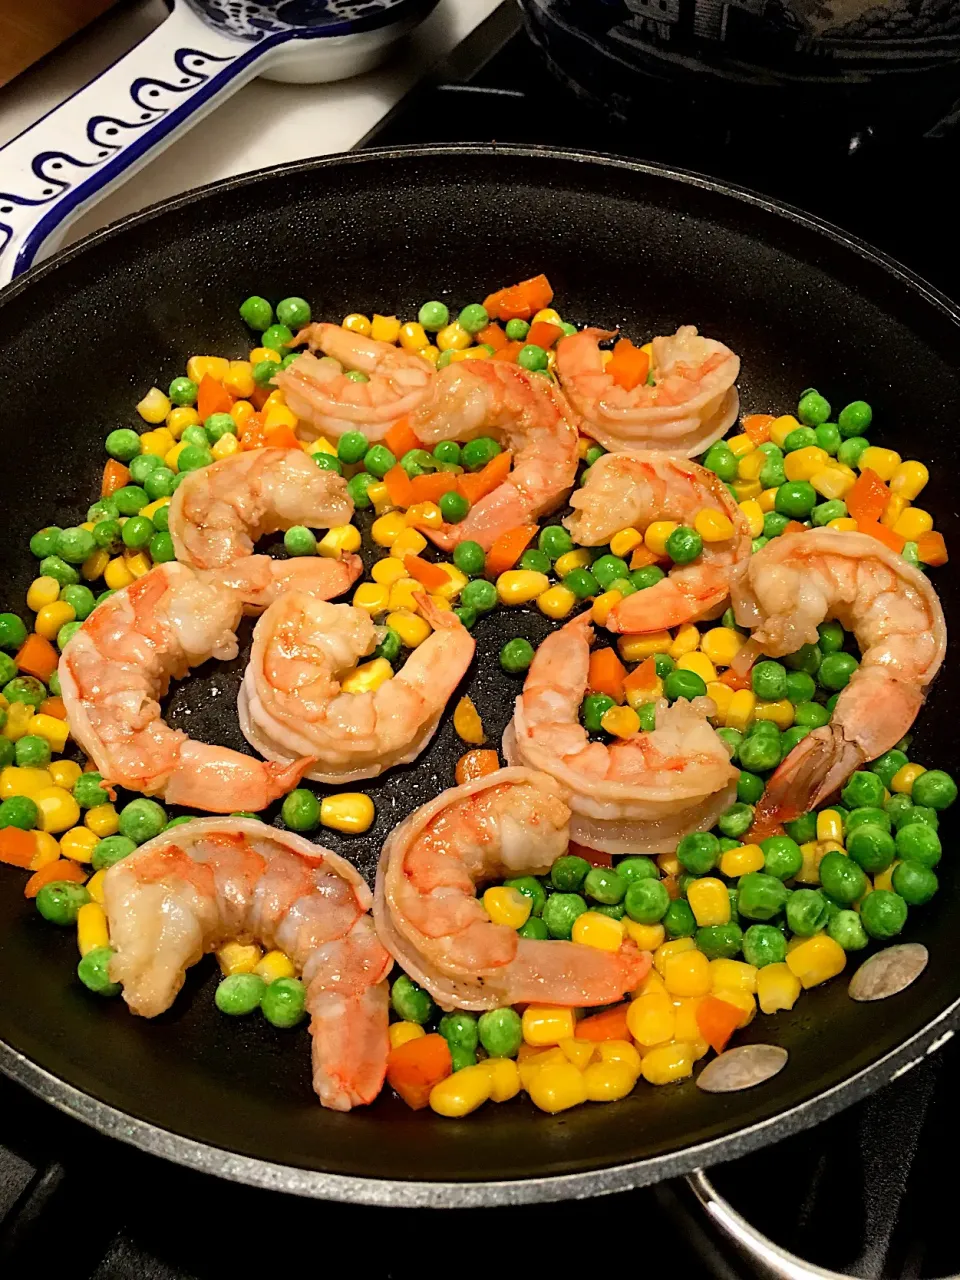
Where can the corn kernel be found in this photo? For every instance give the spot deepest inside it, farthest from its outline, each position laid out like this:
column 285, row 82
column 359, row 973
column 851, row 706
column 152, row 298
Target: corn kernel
column 424, row 515
column 410, row 627
column 413, row 336
column 212, row 366
column 829, row 825
column 777, row 988
column 766, row 500
column 453, row 337
column 455, row 583
column 740, row 445
column 41, row 592
column 732, row 975
column 713, row 525
column 367, row 678
column 883, row 462
column 884, row 879
column 157, row 442
column 893, row 510
column 241, row 411
column 103, row 820
column 627, row 540
column 832, row 483
column 58, row 809
column 570, row 560
column 64, row 773
column 669, row 864
column 602, row 606
column 238, row 957
column 388, row 528
column 779, row 713
column 387, row 571
column 651, row 984
column 811, row 851
column 555, row 1087
column 750, row 510
column 371, row 596
column 275, row 964
column 722, row 696
column 379, row 495
column 579, row 1052
column 53, row 730
column 636, row 648
column 409, row 542
column 745, row 1001
column 342, row 540
column 750, row 465
column 177, row 422
column 384, row 328
column 816, row 959
column 595, row 930
column 656, row 535
column 647, row 936
column 721, row 645
column 504, row 1078
column 687, row 640
column 802, row 464
column 913, row 523
column 94, row 885
column 154, row 406
column 225, row 447
column 23, row 781
column 507, row 906
column 357, row 323
column 747, row 490
column 403, row 1032
column 462, row 1092
column 740, row 862
column 781, row 427
column 740, row 712
column 651, row 1019
column 170, row 458
column 623, row 722
column 349, row 811
column 52, row 617
column 547, row 1024
column 709, row 901
column 19, row 719
column 672, row 948
column 238, row 379
column 903, row 780
column 699, row 663
column 688, row 974
column 667, row 1063
column 92, row 929
column 845, row 523
column 138, row 564
column 78, row 844
column 403, row 593
column 608, row 1081
column 520, row 586
column 908, row 480
column 620, row 1051
column 278, row 415
column 687, row 1027
column 649, row 693
column 95, row 565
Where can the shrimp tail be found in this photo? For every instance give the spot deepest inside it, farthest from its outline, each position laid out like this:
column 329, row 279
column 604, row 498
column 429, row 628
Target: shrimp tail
column 819, row 764
column 655, row 609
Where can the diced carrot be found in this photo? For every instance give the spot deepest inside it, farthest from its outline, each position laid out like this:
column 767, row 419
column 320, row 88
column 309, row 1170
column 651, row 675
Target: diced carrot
column 251, row 433
column 594, row 856
column 478, row 484
column 520, row 301
column 642, row 556
column 432, row 486
column 62, row 869
column 757, row 427
column 400, row 439
column 609, row 1025
column 259, row 396
column 432, row 576
column 53, row 707
column 606, row 674
column 628, row 366
column 115, row 476
column 868, row 498
column 37, row 657
column 509, row 352
column 17, row 847
column 874, row 529
column 508, row 548
column 212, row 397
column 717, row 1021
column 931, row 549
column 280, row 437
column 399, row 487
column 735, row 679
column 493, row 336
column 544, row 334
column 642, row 677
column 476, row 764
column 793, row 526
column 415, row 1067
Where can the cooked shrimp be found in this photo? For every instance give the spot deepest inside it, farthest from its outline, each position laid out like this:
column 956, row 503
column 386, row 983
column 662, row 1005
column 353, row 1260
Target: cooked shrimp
column 691, row 403
column 216, row 879
column 291, row 703
column 513, row 822
column 219, row 512
column 119, row 664
column 625, row 489
column 319, row 392
column 259, row 580
column 784, row 593
column 532, row 418
column 639, row 795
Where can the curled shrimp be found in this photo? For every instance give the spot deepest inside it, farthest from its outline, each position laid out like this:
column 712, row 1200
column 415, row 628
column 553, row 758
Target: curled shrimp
column 532, row 418
column 291, row 703
column 319, row 392
column 800, row 580
column 512, row 822
column 118, row 666
column 690, row 404
column 219, row 512
column 639, row 795
column 178, row 897
column 635, row 489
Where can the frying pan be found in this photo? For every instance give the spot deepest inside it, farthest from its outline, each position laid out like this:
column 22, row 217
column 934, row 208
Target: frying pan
column 83, row 336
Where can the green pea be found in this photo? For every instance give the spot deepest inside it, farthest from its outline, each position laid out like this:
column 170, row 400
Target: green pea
column 469, row 558
column 453, row 506
column 80, row 599
column 842, row 878
column 915, row 883
column 720, row 941
column 883, row 914
column 684, row 544
column 110, row 850
column 461, row 1057
column 607, row 569
column 300, row 541
column 648, row 576
column 410, row 1002
column 535, row 561
column 683, row 684
column 8, row 669
column 183, row 392
column 32, row 752
column 774, row 524
column 66, row 634
column 137, row 532
column 264, row 370
column 698, row 852
column 214, row 428
column 480, row 595
column 897, row 807
column 824, row 512
column 257, row 313
column 294, row 312
column 803, row 828
column 721, row 460
column 561, row 911
column 6, row 752
column 569, row 872
column 278, row 338
column 807, row 658
column 911, row 553
column 749, row 787
column 764, row 944
column 836, row 670
column 239, row 994
column 25, row 689
column 535, row 929
column 477, row 453
column 772, row 474
column 851, row 450
column 357, row 487
column 866, row 815
column 352, row 447
column 871, row 847
column 813, row 409
column 473, row 318
column 760, row 751
column 131, row 499
column 604, row 885
column 769, row 680
column 807, row 912
column 75, row 545
column 417, row 462
column 832, row 637
column 44, row 541
column 732, row 738
column 796, row 499
column 761, row 896
column 919, row 844
column 663, row 664
column 828, row 437
column 736, row 821
column 810, row 715
column 159, row 483
column 847, row 931
column 389, row 646
column 94, row 972
column 59, row 901
column 122, row 444
column 934, row 789
column 500, row 1030
column 301, row 810
column 531, row 888
column 142, row 466
column 799, row 687
column 532, row 358
column 781, row 857
column 678, row 919
column 185, row 817
column 516, row 655
column 862, row 789
column 917, row 813
column 284, row 1002
column 142, row 819
column 459, row 1029
column 633, row 869
column 378, row 460
column 799, row 438
column 854, row 419
column 582, row 583
column 554, row 541
column 517, row 330
column 161, row 548
column 107, row 534
column 434, row 316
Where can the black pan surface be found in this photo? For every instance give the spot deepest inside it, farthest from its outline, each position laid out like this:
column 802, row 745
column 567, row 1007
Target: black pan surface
column 82, row 338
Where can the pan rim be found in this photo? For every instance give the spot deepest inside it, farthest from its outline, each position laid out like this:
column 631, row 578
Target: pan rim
column 220, row 1161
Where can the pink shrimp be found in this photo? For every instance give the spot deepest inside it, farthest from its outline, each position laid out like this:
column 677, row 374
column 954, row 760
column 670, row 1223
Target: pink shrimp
column 691, row 403
column 513, row 822
column 176, row 898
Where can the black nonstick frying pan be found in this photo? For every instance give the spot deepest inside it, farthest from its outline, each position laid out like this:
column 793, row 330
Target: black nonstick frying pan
column 81, row 339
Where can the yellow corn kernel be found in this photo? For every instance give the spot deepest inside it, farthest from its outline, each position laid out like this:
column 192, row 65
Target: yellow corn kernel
column 647, row 936
column 709, row 901
column 556, row 602
column 387, row 571
column 675, row 947
column 402, row 593
column 595, row 930
column 651, row 1019
column 700, row 664
column 608, row 1081
column 908, row 480
column 19, row 719
column 530, row 1060
column 276, row 397
column 520, row 586
column 154, row 406
column 52, row 730
column 602, row 605
column 570, row 560
column 413, row 336
column 23, row 781
column 652, row 983
column 779, row 712
column 687, row 1028
column 64, row 773
column 688, row 974
column 816, row 959
column 687, row 640
column 278, row 415
column 547, row 315
column 52, row 617
column 259, row 354
column 554, row 1087
column 170, row 458
column 46, row 850
column 151, row 509
column 410, row 627
column 388, row 528
column 462, row 1092
column 829, row 825
column 275, row 964
column 138, row 564
column 884, row 879
column 750, row 465
column 242, row 410
column 88, row 525
column 722, row 696
column 95, row 564
column 41, row 592
column 845, row 523
column 545, row 1024
column 342, row 540
column 467, row 723
column 403, row 1032
column 225, row 447
column 745, row 1001
column 627, row 540
column 374, row 597
column 811, row 851
column 409, row 542
column 94, row 885
column 781, row 427
column 103, row 820
column 740, row 445
column 669, row 864
column 367, row 678
column 158, row 441
column 750, row 510
column 713, row 525
column 357, row 323
column 766, row 500
column 732, row 975
column 667, row 1063
column 177, row 422
column 883, row 462
column 238, row 957
column 379, row 495
column 740, row 862
column 636, row 648
column 656, row 535
column 92, row 929
column 903, row 780
column 721, row 645
column 620, row 1051
column 832, row 483
column 349, row 811
column 507, row 906
column 456, row 581
column 802, row 464
column 637, row 697
column 238, row 379
column 384, row 328
column 913, row 523
column 623, row 722
column 747, row 490
column 58, row 809
column 211, row 366
column 740, row 713
column 424, row 515
column 453, row 337
column 504, row 1078
column 893, row 510
column 78, row 844
column 579, row 1052
column 777, row 988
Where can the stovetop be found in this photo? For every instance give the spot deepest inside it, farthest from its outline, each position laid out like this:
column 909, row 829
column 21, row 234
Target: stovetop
column 862, row 1194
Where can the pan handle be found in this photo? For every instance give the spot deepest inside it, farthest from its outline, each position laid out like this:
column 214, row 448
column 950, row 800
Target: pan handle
column 53, row 171
column 770, row 1261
